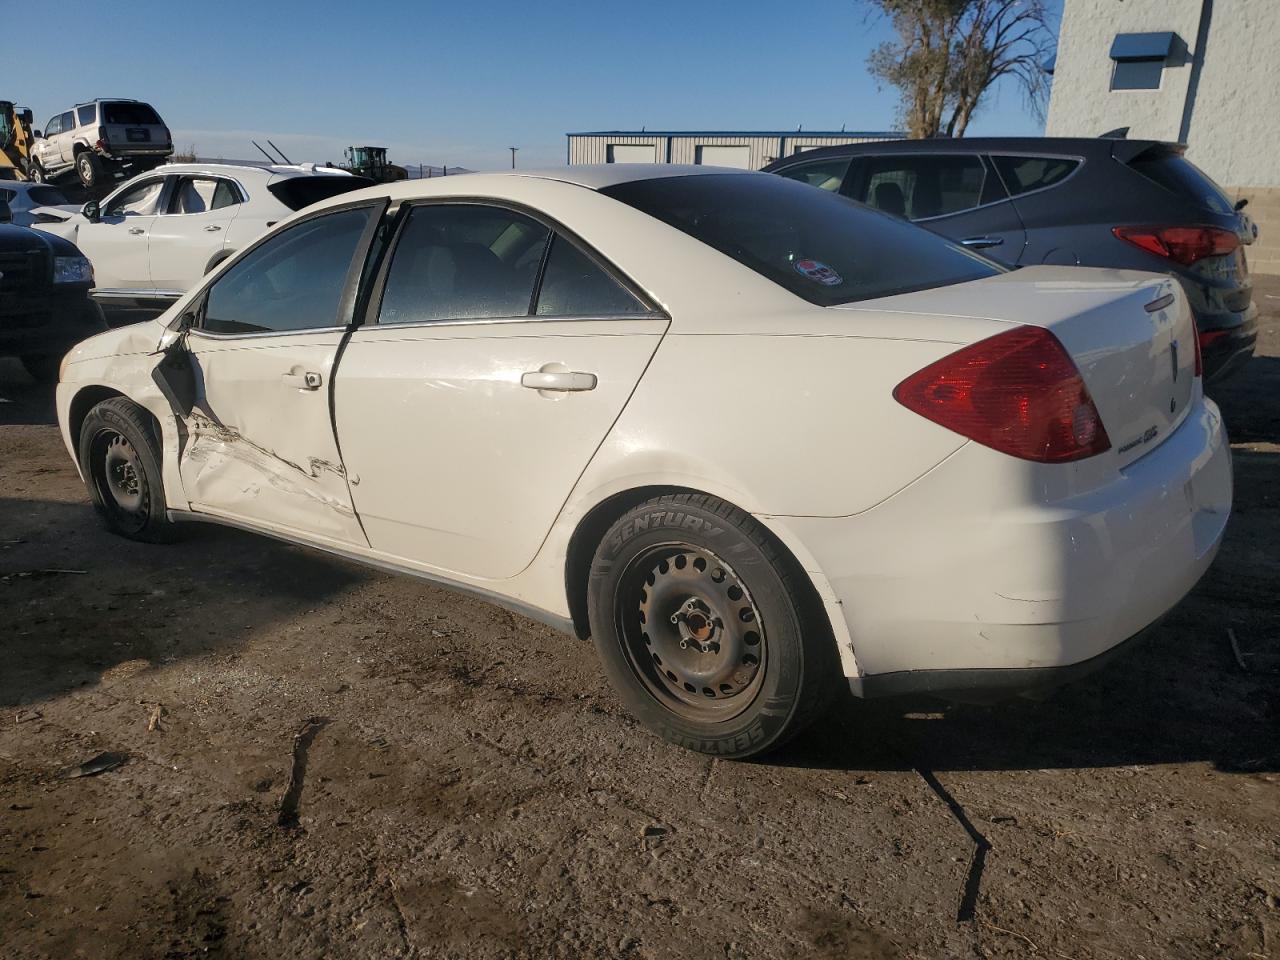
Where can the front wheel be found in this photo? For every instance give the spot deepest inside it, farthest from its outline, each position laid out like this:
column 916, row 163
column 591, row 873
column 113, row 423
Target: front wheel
column 120, row 460
column 35, row 173
column 707, row 628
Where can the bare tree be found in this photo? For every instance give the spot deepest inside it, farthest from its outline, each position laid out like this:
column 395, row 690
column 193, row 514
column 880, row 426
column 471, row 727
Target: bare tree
column 949, row 53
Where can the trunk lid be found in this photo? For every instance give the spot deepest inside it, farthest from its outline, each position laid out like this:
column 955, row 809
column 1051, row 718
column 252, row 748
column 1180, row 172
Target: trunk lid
column 1131, row 335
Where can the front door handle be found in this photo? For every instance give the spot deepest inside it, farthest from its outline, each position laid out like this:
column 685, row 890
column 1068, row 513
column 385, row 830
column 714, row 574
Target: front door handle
column 303, row 381
column 981, row 243
column 212, row 228
column 137, row 230
column 560, row 382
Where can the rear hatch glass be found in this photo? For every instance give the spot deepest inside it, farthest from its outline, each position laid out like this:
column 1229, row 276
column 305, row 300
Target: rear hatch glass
column 129, row 114
column 298, row 192
column 1180, row 176
column 820, row 246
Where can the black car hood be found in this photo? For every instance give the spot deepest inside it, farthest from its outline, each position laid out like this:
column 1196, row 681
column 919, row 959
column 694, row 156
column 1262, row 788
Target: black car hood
column 15, row 239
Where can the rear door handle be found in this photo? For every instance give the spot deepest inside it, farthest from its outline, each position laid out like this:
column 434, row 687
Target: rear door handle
column 981, row 243
column 303, row 381
column 568, row 382
column 212, row 228
column 137, row 230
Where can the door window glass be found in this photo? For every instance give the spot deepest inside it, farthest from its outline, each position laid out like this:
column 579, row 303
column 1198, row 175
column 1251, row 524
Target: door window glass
column 463, row 263
column 1024, row 174
column 573, row 285
column 53, row 127
column 139, row 201
column 202, row 194
column 86, row 114
column 824, row 174
column 920, row 187
column 293, row 281
column 67, row 121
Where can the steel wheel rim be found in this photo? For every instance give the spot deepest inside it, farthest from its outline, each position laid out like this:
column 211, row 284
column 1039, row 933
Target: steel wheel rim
column 119, row 477
column 691, row 631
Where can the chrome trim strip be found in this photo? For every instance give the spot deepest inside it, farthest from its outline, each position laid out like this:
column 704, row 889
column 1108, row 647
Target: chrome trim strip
column 527, row 318
column 1159, row 304
column 118, row 294
column 212, row 335
column 563, row 624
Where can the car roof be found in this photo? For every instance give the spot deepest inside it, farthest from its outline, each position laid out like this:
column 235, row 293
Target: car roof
column 239, row 169
column 1078, row 146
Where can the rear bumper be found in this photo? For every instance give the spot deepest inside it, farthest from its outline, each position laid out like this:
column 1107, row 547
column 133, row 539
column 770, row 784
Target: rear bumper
column 973, row 579
column 1227, row 342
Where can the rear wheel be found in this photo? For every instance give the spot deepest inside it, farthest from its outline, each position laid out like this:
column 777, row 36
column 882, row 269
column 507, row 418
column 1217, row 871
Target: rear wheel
column 35, row 173
column 706, row 628
column 89, row 168
column 120, row 459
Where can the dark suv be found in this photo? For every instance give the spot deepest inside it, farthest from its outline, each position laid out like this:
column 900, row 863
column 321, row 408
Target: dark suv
column 1133, row 204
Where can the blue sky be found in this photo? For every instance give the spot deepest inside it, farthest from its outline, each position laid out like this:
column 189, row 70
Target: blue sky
column 458, row 83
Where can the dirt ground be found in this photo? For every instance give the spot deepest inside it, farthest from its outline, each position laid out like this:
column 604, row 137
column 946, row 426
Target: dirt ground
column 467, row 786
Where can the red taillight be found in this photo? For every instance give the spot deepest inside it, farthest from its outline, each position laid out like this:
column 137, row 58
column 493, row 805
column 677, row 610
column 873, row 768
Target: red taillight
column 1183, row 245
column 1017, row 392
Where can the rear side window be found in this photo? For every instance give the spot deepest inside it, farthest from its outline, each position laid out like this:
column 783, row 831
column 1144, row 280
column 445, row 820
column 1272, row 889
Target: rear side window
column 463, row 262
column 203, row 194
column 1024, row 174
column 823, row 174
column 86, row 114
column 923, row 187
column 136, row 114
column 67, row 121
column 298, row 192
column 293, row 281
column 1180, row 176
column 573, row 285
column 46, row 197
column 820, row 246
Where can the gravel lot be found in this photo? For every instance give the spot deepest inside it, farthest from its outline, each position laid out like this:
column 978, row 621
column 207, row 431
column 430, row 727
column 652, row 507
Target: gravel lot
column 468, row 787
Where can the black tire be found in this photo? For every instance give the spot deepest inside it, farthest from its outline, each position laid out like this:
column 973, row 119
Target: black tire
column 42, row 368
column 120, row 459
column 35, row 173
column 89, row 168
column 758, row 663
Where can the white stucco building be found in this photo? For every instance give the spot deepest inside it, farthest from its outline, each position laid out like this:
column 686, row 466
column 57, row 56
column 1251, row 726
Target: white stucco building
column 1204, row 72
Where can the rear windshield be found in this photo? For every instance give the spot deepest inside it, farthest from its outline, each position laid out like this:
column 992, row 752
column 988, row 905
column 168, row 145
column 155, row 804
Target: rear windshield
column 1179, row 175
column 131, row 113
column 298, row 192
column 820, row 246
column 46, row 196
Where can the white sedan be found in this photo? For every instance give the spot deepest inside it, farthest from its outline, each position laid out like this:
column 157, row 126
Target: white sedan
column 157, row 235
column 757, row 441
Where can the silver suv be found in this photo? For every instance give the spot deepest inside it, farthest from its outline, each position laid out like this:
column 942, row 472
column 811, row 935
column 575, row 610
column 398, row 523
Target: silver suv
column 99, row 141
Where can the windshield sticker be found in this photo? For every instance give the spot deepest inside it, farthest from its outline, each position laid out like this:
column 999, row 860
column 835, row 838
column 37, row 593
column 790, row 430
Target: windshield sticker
column 819, row 272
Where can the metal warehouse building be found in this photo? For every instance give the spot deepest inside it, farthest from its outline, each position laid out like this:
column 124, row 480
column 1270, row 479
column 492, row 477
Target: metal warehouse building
column 748, row 150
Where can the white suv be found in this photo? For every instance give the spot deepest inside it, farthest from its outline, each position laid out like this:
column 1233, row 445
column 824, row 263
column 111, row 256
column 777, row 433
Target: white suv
column 99, row 140
column 154, row 237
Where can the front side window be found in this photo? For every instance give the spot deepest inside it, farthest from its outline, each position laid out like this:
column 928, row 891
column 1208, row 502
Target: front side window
column 138, row 201
column 922, row 187
column 820, row 246
column 202, row 194
column 574, row 285
column 86, row 114
column 1024, row 174
column 293, row 281
column 53, row 127
column 823, row 174
column 463, row 262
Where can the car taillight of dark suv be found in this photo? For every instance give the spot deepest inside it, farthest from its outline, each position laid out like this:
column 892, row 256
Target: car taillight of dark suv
column 1128, row 204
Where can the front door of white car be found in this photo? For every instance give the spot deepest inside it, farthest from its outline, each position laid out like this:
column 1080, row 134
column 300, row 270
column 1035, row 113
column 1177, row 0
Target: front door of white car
column 192, row 230
column 259, row 445
column 500, row 356
column 117, row 242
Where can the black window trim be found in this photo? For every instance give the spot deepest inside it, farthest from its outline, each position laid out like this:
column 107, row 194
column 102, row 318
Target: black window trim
column 192, row 314
column 373, row 303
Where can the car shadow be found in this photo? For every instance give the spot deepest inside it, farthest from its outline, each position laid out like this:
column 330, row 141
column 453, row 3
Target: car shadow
column 23, row 402
column 1250, row 402
column 77, row 602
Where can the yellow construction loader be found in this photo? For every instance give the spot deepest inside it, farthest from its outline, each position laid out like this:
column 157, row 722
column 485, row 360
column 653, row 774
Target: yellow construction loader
column 15, row 141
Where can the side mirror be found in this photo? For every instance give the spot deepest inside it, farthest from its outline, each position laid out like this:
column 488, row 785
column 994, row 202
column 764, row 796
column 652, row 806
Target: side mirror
column 91, row 211
column 37, row 135
column 6, row 215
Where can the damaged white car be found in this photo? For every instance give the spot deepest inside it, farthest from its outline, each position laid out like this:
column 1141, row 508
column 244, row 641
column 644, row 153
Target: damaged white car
column 757, row 441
